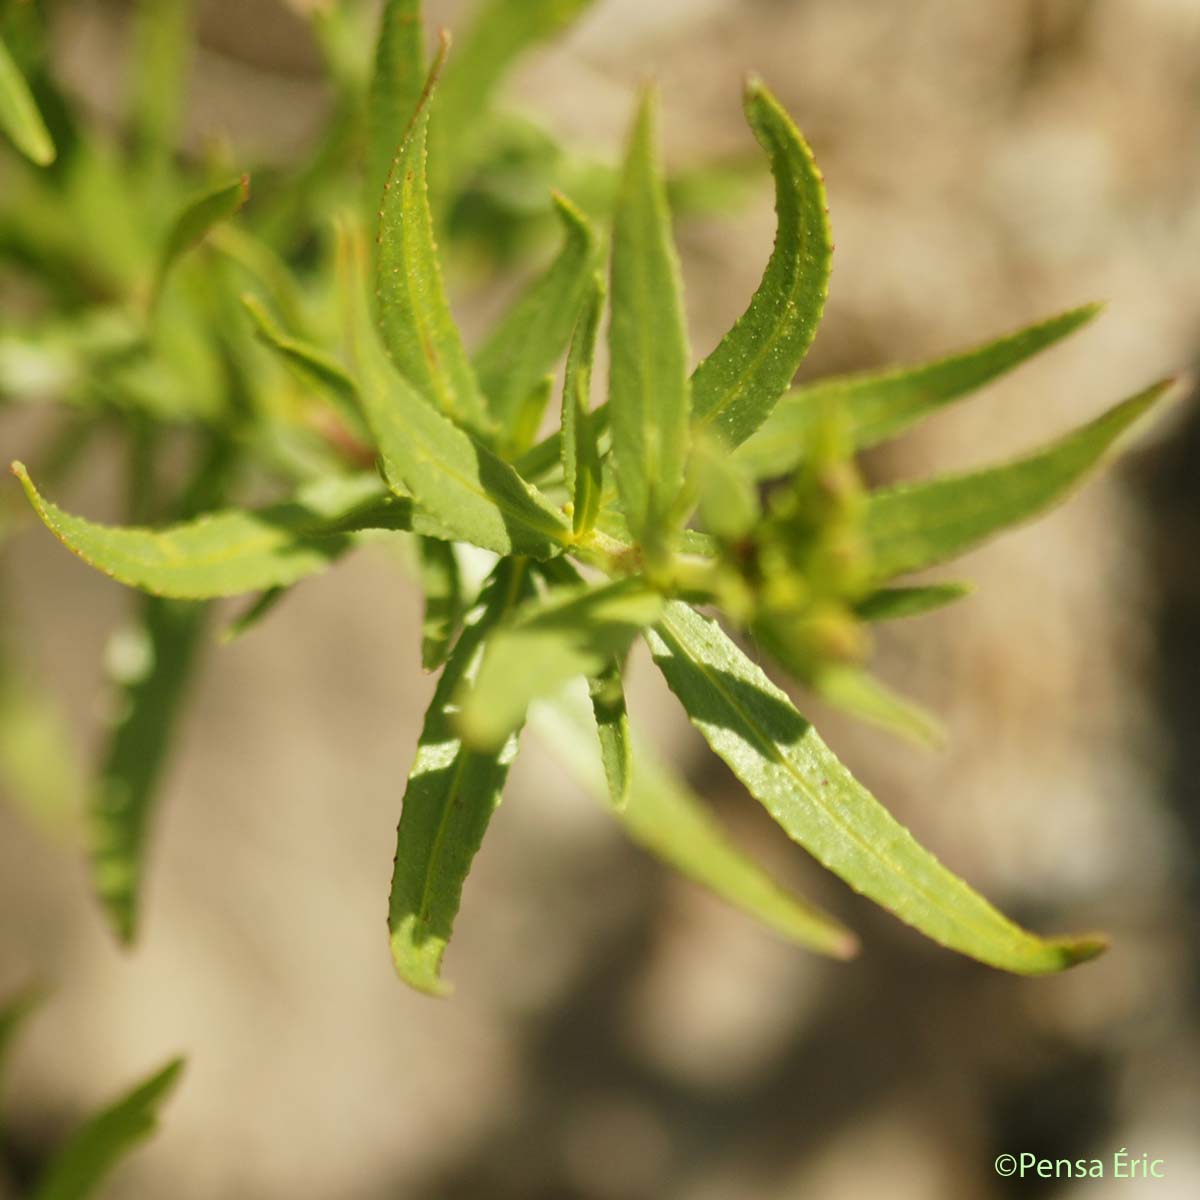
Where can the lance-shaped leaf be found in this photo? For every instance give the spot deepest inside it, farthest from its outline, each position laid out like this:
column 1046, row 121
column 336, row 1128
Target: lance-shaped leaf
column 160, row 653
column 578, row 441
column 395, row 94
column 162, row 40
column 612, row 732
column 441, row 582
column 857, row 692
column 528, row 341
column 784, row 764
column 892, row 604
column 19, row 115
column 572, row 631
column 917, row 525
column 735, row 388
column 414, row 315
column 649, row 401
column 451, row 795
column 195, row 222
column 93, row 1151
column 234, row 551
column 466, row 491
column 878, row 405
column 664, row 816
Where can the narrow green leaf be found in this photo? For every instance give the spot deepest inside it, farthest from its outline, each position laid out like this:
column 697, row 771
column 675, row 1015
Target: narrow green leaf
column 728, row 499
column 919, row 524
column 467, row 491
column 395, row 92
column 94, row 1150
column 649, row 396
column 891, row 604
column 233, row 551
column 784, row 764
column 664, row 816
column 441, row 582
column 451, row 795
column 262, row 606
column 572, row 631
column 195, row 222
column 14, row 1012
column 528, row 341
column 878, row 405
column 158, row 656
column 612, row 730
column 162, row 41
column 860, row 694
column 578, row 441
column 735, row 388
column 19, row 114
column 414, row 316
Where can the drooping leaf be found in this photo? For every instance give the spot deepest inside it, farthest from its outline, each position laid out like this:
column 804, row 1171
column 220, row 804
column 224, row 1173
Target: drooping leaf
column 414, row 315
column 195, row 222
column 612, row 731
column 160, row 653
column 878, row 405
column 891, row 604
column 784, row 764
column 528, row 341
column 572, row 631
column 19, row 115
column 666, row 818
column 93, row 1151
column 579, row 441
column 649, row 401
column 441, row 582
column 919, row 524
column 234, row 551
column 451, row 795
column 396, row 85
column 857, row 692
column 465, row 489
column 735, row 388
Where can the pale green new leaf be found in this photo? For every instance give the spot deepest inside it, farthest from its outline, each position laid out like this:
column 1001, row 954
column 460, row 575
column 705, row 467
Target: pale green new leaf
column 571, row 631
column 735, row 388
column 441, row 583
column 878, row 405
column 784, row 764
column 234, row 551
column 451, row 795
column 892, row 604
column 19, row 115
column 528, row 341
column 666, row 818
column 578, row 441
column 414, row 315
column 95, row 1149
column 919, row 524
column 195, row 221
column 395, row 93
column 649, row 400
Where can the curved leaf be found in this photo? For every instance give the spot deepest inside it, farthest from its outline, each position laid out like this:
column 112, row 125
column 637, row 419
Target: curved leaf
column 233, row 551
column 19, row 114
column 578, row 441
column 195, row 221
column 878, row 405
column 735, row 388
column 784, row 764
column 919, row 524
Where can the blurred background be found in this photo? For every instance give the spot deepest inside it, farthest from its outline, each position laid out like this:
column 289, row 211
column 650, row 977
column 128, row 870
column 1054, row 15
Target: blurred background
column 615, row 1032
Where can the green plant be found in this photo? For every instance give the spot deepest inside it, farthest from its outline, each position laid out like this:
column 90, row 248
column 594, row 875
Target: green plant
column 721, row 486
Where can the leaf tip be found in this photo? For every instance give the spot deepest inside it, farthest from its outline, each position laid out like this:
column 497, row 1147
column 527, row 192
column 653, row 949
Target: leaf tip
column 1081, row 949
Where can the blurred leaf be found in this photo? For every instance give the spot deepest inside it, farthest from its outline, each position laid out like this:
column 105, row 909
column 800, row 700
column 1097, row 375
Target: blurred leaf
column 162, row 44
column 665, row 817
column 94, row 1150
column 919, row 524
column 891, row 604
column 260, row 608
column 14, row 1012
column 578, row 438
column 612, row 730
column 529, row 339
column 777, row 754
column 451, row 795
column 571, row 631
column 195, row 222
column 858, row 693
column 396, row 85
column 736, row 387
column 728, row 499
column 418, row 328
column 19, row 115
column 649, row 400
column 441, row 582
column 878, row 405
column 236, row 550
